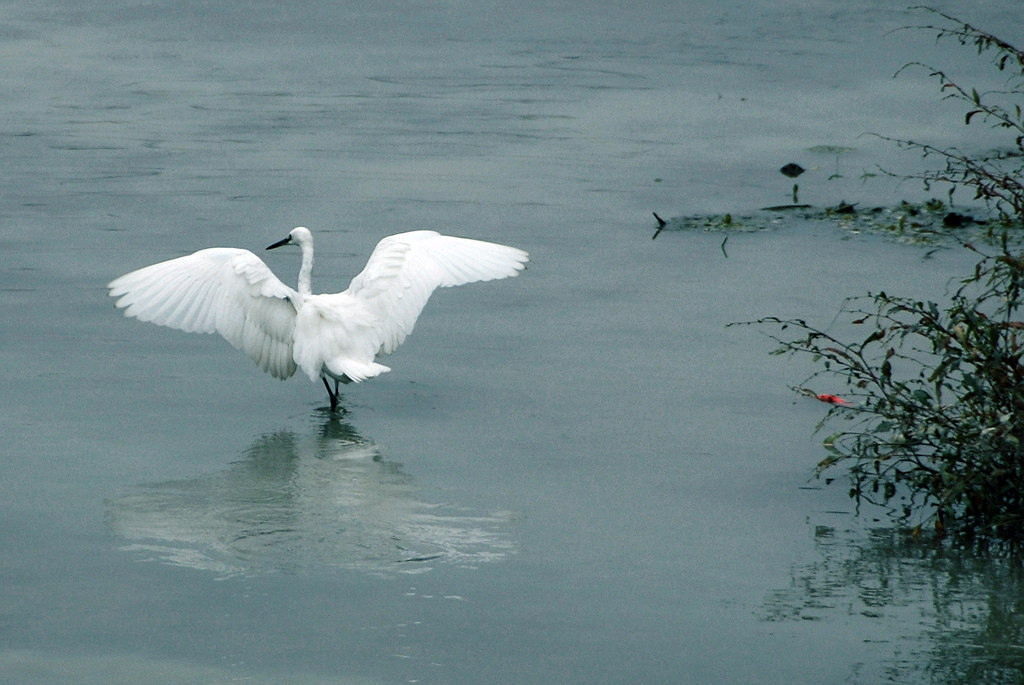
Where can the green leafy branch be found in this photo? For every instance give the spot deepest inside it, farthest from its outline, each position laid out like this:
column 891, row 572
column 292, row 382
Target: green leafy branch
column 933, row 410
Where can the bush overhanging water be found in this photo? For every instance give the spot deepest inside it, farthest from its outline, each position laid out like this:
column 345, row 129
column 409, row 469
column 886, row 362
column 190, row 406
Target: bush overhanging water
column 934, row 400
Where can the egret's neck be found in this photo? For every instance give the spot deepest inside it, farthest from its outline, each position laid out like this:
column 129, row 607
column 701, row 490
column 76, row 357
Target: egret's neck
column 306, row 270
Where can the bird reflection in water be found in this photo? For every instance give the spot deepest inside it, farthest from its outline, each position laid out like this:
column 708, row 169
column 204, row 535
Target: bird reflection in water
column 295, row 504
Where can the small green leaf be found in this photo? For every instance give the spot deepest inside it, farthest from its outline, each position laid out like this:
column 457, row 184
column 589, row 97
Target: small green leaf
column 830, row 441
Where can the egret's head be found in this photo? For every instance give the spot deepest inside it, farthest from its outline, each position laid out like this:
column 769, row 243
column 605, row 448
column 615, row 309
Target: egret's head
column 299, row 235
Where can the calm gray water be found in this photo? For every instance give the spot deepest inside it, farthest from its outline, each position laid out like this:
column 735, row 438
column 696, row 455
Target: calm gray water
column 579, row 475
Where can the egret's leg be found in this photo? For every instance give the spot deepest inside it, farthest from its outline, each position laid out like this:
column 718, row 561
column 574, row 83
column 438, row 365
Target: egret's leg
column 332, row 395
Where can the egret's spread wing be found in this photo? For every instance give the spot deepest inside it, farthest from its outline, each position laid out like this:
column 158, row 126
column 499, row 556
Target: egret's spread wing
column 405, row 269
column 219, row 290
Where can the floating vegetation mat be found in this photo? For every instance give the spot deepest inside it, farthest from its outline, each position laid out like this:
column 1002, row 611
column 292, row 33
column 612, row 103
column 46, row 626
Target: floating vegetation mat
column 931, row 223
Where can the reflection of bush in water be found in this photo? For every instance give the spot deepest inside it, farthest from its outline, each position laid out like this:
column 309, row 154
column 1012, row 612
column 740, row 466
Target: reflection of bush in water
column 292, row 505
column 962, row 613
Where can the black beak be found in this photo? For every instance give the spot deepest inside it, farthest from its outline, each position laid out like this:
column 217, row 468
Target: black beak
column 279, row 243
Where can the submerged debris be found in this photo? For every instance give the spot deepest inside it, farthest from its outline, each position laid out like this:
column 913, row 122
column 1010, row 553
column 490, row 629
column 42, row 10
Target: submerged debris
column 954, row 220
column 792, row 170
column 843, row 207
column 661, row 224
column 784, row 208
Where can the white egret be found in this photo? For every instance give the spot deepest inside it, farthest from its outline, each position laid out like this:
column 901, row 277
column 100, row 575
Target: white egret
column 330, row 336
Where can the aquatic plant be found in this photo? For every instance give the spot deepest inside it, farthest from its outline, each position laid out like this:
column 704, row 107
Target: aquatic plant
column 997, row 178
column 934, row 401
